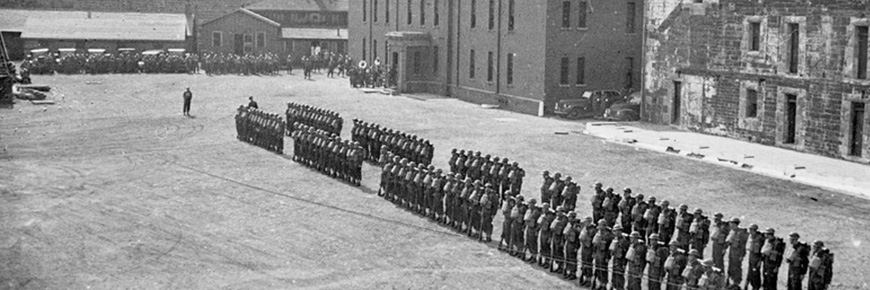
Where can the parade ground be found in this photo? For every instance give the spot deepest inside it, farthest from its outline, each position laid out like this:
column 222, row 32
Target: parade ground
column 112, row 188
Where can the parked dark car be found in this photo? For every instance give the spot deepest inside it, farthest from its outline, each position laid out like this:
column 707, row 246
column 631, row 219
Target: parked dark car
column 626, row 110
column 590, row 104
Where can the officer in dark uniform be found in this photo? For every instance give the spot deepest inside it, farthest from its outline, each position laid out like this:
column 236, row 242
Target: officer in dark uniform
column 798, row 259
column 771, row 254
column 821, row 267
column 625, row 206
column 252, row 103
column 545, row 187
column 188, row 96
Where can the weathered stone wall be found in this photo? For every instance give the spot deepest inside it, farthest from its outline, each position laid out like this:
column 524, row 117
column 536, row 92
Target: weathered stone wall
column 706, row 48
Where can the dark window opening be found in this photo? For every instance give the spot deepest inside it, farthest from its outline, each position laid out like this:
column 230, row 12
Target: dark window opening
column 751, row 103
column 510, row 68
column 489, row 68
column 471, row 67
column 510, row 15
column 409, row 16
column 417, row 62
column 754, row 36
column 629, row 72
column 581, row 19
column 375, row 11
column 436, row 17
column 581, row 71
column 491, row 14
column 856, row 144
column 862, row 51
column 794, row 47
column 387, row 11
column 791, row 118
column 563, row 72
column 435, row 59
column 365, row 9
column 566, row 14
column 630, row 13
column 473, row 21
column 677, row 100
column 422, row 12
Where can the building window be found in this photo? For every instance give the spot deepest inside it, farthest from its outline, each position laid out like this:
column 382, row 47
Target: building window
column 489, row 68
column 629, row 72
column 563, row 73
column 511, row 15
column 249, row 43
column 416, row 62
column 491, row 14
column 630, row 13
column 581, row 18
column 471, row 67
column 794, row 47
column 261, row 39
column 566, row 14
column 751, row 103
column 436, row 17
column 422, row 12
column 375, row 48
column 364, row 49
column 473, row 21
column 754, row 36
column 386, row 51
column 409, row 16
column 435, row 59
column 375, row 11
column 365, row 9
column 862, row 34
column 387, row 11
column 216, row 38
column 581, row 71
column 510, row 68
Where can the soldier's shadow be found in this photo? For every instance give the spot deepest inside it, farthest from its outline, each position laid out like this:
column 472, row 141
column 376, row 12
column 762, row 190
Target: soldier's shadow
column 191, row 117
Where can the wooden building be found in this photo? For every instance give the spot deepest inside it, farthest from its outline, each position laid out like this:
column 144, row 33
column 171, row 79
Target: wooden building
column 242, row 32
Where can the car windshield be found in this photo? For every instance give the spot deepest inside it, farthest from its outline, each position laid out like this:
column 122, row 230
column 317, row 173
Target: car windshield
column 587, row 95
column 634, row 98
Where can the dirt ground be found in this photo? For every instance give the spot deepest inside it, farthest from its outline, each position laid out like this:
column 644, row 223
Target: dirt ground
column 112, row 188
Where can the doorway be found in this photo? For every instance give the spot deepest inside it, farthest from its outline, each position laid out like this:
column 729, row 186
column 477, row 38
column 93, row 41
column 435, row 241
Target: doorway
column 791, row 118
column 676, row 106
column 238, row 44
column 315, row 47
column 856, row 137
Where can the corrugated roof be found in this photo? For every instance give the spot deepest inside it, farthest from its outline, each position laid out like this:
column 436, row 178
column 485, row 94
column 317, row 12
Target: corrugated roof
column 314, row 33
column 249, row 13
column 103, row 25
column 301, row 5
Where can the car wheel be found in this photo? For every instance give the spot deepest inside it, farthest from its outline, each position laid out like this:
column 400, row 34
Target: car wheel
column 574, row 114
column 627, row 116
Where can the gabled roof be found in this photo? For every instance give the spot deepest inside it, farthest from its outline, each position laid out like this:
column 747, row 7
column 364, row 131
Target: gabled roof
column 104, row 25
column 12, row 20
column 301, row 5
column 314, row 33
column 248, row 13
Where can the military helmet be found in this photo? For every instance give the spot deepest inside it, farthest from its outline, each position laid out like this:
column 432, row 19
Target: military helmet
column 627, row 190
column 735, row 220
column 531, row 201
column 770, row 231
column 794, row 234
column 654, row 237
column 635, row 234
column 753, row 227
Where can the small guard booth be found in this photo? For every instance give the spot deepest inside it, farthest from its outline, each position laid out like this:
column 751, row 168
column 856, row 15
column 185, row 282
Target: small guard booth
column 411, row 58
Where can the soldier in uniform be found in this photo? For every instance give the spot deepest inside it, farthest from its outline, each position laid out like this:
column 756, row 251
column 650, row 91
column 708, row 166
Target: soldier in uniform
column 556, row 188
column 530, row 221
column 545, row 187
column 694, row 270
column 597, row 200
column 682, row 225
column 657, row 253
column 699, row 231
column 506, row 209
column 587, row 252
column 637, row 215
column 569, row 195
column 771, row 254
column 736, row 243
column 636, row 261
column 713, row 278
column 651, row 217
column 452, row 162
column 821, row 267
column 718, row 237
column 517, row 239
column 625, row 205
column 601, row 255
column 618, row 248
column 556, row 240
column 516, row 176
column 667, row 219
column 547, row 217
column 571, row 234
column 489, row 207
column 674, row 267
column 798, row 259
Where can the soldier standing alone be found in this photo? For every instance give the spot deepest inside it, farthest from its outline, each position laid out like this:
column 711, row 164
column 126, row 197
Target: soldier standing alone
column 188, row 96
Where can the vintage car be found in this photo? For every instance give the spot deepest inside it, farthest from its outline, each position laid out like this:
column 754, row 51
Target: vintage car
column 590, row 104
column 626, row 110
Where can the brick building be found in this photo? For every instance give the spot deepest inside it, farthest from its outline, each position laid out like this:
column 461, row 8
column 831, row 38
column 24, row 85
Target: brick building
column 772, row 72
column 296, row 27
column 522, row 55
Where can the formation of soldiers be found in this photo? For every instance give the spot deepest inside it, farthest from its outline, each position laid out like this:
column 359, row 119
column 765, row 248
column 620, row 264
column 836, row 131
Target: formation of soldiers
column 629, row 240
column 506, row 177
column 251, row 64
column 260, row 128
column 327, row 153
column 453, row 200
column 376, row 140
column 108, row 63
column 331, row 62
column 318, row 118
column 376, row 75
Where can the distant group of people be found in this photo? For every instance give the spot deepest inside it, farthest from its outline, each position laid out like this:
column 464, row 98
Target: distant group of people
column 260, row 128
column 375, row 75
column 327, row 153
column 110, row 63
column 506, row 177
column 466, row 205
column 249, row 64
column 333, row 64
column 629, row 240
column 373, row 137
column 318, row 118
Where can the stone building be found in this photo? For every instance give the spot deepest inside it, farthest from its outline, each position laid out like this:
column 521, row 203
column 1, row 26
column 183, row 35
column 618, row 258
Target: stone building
column 774, row 72
column 521, row 55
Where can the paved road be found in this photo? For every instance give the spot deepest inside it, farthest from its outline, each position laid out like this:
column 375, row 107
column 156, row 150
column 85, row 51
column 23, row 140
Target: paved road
column 113, row 188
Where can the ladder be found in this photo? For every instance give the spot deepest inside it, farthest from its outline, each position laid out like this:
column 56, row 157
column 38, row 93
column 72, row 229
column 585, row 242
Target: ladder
column 4, row 58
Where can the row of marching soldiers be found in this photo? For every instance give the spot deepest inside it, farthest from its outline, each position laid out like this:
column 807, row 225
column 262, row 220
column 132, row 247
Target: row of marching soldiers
column 260, row 128
column 327, row 153
column 639, row 246
column 318, row 118
column 374, row 137
column 466, row 205
column 506, row 177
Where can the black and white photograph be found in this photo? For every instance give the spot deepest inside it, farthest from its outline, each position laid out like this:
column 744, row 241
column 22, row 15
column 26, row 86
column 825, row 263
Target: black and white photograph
column 435, row 144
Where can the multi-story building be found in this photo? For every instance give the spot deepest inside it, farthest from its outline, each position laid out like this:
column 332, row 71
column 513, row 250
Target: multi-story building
column 772, row 72
column 522, row 55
